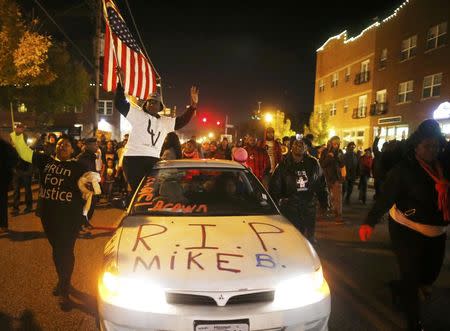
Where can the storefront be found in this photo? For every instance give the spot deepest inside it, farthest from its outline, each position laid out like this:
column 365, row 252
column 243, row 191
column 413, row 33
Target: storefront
column 390, row 128
column 442, row 115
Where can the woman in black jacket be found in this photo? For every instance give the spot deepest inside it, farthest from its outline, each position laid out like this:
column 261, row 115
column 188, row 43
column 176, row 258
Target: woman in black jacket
column 416, row 193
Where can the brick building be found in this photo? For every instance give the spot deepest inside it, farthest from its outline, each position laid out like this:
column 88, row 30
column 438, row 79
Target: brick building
column 403, row 76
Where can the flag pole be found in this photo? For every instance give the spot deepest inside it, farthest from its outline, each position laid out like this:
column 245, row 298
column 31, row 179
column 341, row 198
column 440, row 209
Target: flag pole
column 12, row 115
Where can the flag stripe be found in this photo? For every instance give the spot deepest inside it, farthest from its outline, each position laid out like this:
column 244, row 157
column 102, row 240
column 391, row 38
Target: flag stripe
column 138, row 74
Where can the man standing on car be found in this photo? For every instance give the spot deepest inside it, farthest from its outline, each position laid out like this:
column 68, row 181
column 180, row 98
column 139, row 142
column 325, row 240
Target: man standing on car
column 294, row 185
column 149, row 130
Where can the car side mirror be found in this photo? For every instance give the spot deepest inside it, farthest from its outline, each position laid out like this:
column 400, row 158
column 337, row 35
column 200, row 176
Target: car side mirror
column 119, row 203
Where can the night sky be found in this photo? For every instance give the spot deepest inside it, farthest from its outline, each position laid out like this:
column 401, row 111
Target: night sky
column 237, row 52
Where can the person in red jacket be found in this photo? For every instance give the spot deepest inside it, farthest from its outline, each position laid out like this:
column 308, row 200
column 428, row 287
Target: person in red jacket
column 365, row 169
column 258, row 159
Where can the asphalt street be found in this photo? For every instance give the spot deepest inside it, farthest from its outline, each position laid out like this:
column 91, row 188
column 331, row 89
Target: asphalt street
column 356, row 272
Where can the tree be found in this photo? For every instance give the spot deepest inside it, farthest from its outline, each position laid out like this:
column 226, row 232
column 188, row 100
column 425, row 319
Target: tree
column 318, row 125
column 69, row 89
column 24, row 52
column 280, row 124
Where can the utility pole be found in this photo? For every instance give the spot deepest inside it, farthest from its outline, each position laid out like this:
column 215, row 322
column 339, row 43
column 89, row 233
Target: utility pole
column 97, row 49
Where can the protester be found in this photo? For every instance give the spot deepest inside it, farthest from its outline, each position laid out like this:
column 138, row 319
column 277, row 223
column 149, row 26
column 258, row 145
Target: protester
column 294, row 185
column 312, row 150
column 352, row 171
column 223, row 151
column 273, row 148
column 148, row 132
column 258, row 159
column 331, row 160
column 50, row 145
column 88, row 159
column 61, row 206
column 416, row 193
column 190, row 150
column 365, row 168
column 8, row 161
column 171, row 149
column 108, row 178
column 23, row 173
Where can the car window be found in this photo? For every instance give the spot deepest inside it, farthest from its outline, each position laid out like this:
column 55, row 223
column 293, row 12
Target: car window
column 201, row 192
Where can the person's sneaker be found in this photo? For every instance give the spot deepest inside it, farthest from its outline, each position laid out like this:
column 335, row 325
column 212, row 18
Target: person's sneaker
column 339, row 221
column 15, row 212
column 3, row 230
column 27, row 210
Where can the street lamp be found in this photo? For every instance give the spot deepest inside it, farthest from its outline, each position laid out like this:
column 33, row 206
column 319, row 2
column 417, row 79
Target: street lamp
column 268, row 118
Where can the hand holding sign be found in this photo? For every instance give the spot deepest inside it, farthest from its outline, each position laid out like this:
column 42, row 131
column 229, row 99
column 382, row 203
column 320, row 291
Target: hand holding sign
column 194, row 96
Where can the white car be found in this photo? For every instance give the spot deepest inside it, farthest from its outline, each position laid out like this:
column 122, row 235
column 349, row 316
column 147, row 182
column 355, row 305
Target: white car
column 203, row 247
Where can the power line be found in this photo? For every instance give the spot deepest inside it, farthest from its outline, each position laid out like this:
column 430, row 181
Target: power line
column 140, row 38
column 65, row 35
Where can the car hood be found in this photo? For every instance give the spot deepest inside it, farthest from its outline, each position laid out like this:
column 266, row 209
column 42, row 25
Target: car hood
column 213, row 253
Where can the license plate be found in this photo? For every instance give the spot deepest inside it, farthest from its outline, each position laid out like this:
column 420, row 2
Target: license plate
column 231, row 325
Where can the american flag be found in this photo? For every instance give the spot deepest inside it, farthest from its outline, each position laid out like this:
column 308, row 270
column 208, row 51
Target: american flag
column 122, row 50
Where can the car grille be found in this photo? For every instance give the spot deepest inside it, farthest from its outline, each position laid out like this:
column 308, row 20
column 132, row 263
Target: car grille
column 203, row 300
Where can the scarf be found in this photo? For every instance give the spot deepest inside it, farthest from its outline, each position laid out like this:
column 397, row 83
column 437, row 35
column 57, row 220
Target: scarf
column 442, row 186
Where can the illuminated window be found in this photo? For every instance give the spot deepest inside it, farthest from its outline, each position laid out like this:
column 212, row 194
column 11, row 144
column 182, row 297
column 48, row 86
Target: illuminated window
column 105, row 107
column 405, row 91
column 333, row 109
column 334, row 79
column 321, row 86
column 432, row 86
column 437, row 36
column 409, row 47
column 347, row 74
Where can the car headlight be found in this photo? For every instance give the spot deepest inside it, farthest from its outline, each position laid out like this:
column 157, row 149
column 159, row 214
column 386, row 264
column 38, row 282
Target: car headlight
column 130, row 293
column 301, row 290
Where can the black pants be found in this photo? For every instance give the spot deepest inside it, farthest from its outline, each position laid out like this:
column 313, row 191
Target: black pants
column 303, row 217
column 419, row 259
column 363, row 188
column 62, row 233
column 348, row 189
column 3, row 205
column 25, row 181
column 136, row 167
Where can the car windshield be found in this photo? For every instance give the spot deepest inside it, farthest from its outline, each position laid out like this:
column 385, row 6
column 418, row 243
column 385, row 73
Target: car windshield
column 201, row 192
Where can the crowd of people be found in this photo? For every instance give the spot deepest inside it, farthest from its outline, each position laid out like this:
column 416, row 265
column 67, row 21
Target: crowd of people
column 411, row 180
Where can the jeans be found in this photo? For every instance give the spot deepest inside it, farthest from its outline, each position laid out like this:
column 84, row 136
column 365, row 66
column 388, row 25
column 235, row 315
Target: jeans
column 348, row 188
column 25, row 181
column 336, row 198
column 136, row 167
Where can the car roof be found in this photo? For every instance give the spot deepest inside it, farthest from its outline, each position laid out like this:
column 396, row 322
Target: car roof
column 198, row 163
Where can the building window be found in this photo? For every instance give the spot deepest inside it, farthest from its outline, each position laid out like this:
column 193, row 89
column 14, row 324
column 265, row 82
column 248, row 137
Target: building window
column 437, row 36
column 383, row 59
column 409, row 47
column 333, row 109
column 347, row 74
column 334, row 80
column 432, row 86
column 105, row 107
column 321, row 86
column 345, row 105
column 405, row 91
